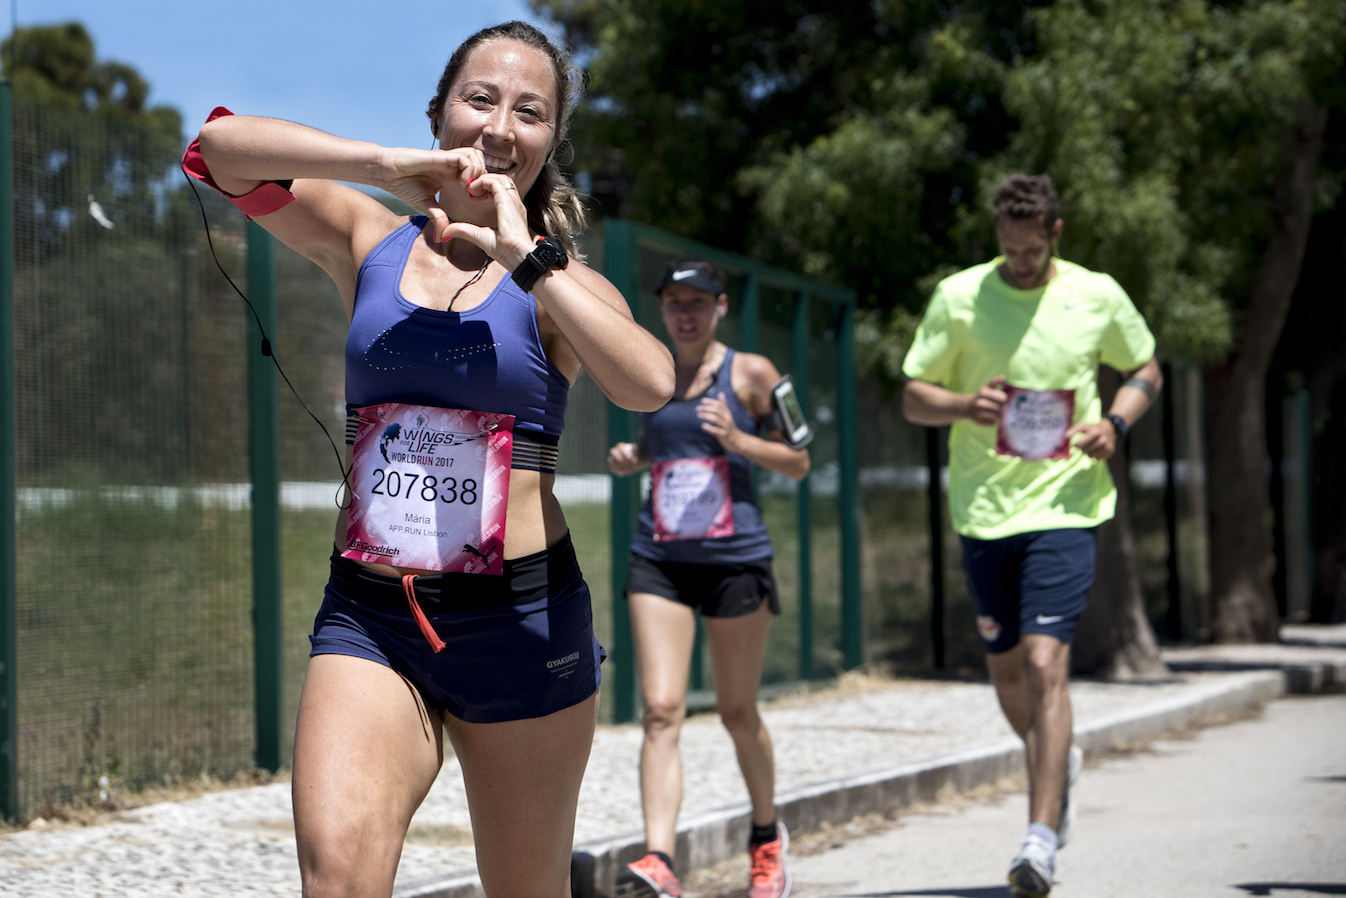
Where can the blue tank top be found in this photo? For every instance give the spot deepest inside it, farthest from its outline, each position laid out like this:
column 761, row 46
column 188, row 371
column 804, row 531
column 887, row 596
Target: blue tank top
column 489, row 358
column 673, row 432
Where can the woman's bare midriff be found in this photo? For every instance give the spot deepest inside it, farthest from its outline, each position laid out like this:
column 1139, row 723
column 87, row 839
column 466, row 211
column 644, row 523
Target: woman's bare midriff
column 533, row 521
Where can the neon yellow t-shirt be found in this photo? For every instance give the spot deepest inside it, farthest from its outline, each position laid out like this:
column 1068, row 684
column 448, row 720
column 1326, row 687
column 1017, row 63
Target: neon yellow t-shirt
column 1052, row 338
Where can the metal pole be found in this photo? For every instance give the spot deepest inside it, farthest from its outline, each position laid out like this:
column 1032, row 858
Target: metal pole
column 935, row 501
column 264, row 418
column 852, row 618
column 9, row 695
column 1173, row 618
column 800, row 335
column 621, row 261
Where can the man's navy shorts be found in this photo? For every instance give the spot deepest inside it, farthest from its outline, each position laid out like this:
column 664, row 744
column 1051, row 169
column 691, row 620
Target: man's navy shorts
column 1035, row 582
column 517, row 646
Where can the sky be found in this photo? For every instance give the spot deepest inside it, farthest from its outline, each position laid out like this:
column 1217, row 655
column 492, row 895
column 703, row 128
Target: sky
column 354, row 68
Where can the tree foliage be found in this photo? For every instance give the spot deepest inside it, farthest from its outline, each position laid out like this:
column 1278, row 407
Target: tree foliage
column 62, row 167
column 860, row 144
column 56, row 65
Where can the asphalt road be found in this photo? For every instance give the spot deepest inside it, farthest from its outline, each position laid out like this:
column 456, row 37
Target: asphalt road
column 1255, row 807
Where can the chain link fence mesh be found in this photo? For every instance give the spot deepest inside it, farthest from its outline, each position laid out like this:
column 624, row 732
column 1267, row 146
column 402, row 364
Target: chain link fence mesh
column 134, row 560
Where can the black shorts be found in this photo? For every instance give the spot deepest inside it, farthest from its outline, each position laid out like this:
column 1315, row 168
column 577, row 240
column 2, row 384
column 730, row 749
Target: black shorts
column 719, row 590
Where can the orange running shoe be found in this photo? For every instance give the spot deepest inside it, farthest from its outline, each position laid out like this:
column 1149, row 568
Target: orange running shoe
column 769, row 877
column 648, row 877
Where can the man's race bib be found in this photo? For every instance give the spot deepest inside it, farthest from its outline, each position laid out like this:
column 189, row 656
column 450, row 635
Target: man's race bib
column 430, row 487
column 691, row 498
column 1033, row 423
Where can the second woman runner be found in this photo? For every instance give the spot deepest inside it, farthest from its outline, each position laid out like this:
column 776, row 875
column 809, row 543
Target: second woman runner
column 702, row 545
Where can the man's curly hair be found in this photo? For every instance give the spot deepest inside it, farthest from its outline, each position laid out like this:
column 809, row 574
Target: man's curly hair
column 1024, row 197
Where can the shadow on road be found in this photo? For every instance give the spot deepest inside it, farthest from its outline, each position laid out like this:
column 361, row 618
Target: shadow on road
column 972, row 892
column 1267, row 888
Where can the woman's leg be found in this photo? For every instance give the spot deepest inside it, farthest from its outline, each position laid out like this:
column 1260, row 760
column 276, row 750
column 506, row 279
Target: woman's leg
column 523, row 782
column 365, row 754
column 663, row 632
column 737, row 652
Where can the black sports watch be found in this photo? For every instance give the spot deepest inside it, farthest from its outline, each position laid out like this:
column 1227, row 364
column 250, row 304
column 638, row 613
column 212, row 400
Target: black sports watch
column 549, row 256
column 1119, row 424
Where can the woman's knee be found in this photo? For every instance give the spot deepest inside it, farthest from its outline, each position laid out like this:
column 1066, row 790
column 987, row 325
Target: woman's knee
column 663, row 715
column 344, row 860
column 741, row 719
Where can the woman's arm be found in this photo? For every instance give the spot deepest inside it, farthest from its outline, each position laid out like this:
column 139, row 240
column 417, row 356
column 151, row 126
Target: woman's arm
column 627, row 458
column 329, row 223
column 752, row 377
column 585, row 322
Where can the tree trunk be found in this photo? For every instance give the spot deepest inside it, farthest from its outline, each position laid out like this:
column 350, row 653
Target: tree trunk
column 1115, row 640
column 1242, row 600
column 1327, row 603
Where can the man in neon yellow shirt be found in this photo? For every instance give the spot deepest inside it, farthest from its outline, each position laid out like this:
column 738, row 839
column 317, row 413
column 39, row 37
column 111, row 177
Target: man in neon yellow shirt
column 1008, row 353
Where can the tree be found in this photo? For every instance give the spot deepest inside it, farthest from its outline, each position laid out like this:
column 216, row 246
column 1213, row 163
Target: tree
column 1188, row 135
column 1185, row 139
column 880, row 193
column 55, row 65
column 684, row 95
column 59, row 168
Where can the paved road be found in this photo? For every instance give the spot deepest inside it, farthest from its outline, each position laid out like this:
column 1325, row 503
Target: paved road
column 1256, row 807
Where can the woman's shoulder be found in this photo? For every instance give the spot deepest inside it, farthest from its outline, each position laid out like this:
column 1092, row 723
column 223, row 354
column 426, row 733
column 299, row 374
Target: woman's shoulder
column 754, row 368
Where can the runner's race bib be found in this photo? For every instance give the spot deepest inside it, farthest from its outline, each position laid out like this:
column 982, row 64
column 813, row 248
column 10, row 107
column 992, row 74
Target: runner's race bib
column 691, row 498
column 430, row 487
column 1033, row 423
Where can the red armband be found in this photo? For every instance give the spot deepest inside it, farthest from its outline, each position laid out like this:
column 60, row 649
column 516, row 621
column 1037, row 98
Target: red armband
column 262, row 200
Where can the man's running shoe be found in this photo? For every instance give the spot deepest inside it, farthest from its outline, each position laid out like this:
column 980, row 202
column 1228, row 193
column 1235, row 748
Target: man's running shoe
column 769, row 877
column 1066, row 823
column 648, row 877
column 1030, row 874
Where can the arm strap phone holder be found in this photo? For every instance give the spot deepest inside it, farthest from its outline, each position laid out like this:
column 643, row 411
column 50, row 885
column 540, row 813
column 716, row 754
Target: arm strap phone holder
column 264, row 199
column 787, row 415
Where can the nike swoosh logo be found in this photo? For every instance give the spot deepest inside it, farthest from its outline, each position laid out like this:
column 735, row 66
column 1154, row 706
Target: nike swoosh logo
column 414, row 351
column 684, row 274
column 1053, row 619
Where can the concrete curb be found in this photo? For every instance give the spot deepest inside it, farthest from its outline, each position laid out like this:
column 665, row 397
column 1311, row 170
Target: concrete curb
column 718, row 835
column 1301, row 677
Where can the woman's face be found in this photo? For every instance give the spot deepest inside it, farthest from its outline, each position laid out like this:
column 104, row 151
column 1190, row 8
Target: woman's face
column 691, row 315
column 504, row 103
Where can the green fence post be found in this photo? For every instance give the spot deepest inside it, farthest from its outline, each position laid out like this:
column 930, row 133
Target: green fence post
column 264, row 418
column 621, row 261
column 9, row 693
column 804, row 507
column 852, row 621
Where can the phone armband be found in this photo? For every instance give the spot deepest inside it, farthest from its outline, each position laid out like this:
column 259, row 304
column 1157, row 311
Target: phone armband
column 262, row 200
column 787, row 414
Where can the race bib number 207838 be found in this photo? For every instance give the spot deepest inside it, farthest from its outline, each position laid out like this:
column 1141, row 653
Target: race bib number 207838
column 430, row 488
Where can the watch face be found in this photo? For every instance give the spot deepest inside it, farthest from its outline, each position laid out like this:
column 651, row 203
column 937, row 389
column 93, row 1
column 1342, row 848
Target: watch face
column 551, row 254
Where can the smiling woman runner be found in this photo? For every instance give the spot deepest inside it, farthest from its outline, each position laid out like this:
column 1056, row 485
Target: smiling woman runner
column 702, row 545
column 455, row 602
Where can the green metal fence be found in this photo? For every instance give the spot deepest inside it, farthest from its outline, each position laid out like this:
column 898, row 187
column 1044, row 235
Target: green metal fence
column 807, row 328
column 167, row 510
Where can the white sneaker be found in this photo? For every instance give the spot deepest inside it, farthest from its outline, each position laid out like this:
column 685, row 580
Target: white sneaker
column 1030, row 874
column 1065, row 824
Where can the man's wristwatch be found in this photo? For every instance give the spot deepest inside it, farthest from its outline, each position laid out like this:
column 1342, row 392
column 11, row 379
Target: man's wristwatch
column 549, row 256
column 1119, row 424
